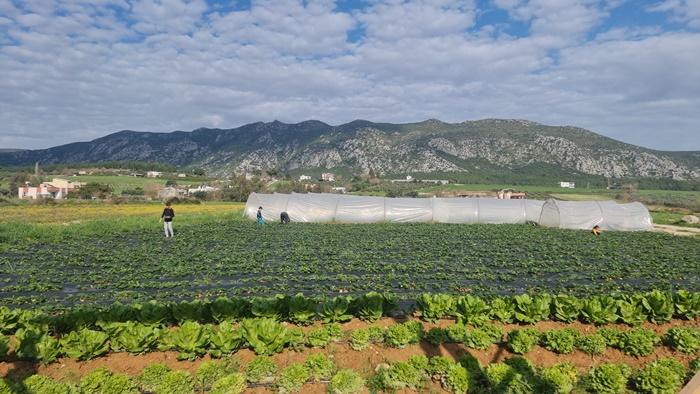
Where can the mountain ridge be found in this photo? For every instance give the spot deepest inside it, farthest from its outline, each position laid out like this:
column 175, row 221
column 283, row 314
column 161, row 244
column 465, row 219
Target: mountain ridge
column 385, row 148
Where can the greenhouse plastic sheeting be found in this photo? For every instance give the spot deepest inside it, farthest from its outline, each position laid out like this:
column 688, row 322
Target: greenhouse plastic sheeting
column 314, row 207
column 609, row 215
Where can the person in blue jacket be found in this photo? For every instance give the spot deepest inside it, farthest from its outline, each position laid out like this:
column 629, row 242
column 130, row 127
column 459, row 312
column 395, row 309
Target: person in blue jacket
column 260, row 218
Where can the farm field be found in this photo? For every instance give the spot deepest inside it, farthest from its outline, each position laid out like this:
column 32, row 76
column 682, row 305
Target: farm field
column 222, row 254
column 83, row 256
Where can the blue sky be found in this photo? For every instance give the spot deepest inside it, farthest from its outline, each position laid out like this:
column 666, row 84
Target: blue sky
column 76, row 70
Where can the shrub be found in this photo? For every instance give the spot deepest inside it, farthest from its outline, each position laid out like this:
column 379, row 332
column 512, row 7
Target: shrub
column 592, row 344
column 176, row 382
column 152, row 375
column 261, row 370
column 608, row 378
column 234, row 383
column 359, row 339
column 346, row 382
column 319, row 366
column 293, row 378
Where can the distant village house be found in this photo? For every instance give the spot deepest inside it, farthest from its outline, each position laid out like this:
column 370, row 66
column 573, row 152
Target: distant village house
column 327, row 176
column 569, row 185
column 58, row 188
column 304, row 178
column 154, row 174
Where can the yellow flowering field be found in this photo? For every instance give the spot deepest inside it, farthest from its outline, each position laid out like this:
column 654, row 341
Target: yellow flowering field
column 72, row 212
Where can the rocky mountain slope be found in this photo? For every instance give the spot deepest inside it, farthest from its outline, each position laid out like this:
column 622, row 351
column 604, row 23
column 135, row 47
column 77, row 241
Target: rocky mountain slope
column 358, row 146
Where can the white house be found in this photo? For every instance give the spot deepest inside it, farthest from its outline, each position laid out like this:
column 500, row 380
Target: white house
column 304, row 178
column 569, row 185
column 57, row 188
column 154, row 174
column 327, row 176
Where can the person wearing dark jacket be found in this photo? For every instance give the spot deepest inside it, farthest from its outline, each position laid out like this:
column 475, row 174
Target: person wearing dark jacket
column 260, row 218
column 284, row 218
column 167, row 218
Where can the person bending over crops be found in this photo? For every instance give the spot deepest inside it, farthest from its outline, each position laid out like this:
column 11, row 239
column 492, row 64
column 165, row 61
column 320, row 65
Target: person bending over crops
column 596, row 230
column 260, row 218
column 167, row 218
column 284, row 218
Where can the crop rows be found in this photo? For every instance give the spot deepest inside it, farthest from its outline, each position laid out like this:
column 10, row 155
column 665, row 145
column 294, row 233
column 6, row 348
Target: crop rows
column 240, row 258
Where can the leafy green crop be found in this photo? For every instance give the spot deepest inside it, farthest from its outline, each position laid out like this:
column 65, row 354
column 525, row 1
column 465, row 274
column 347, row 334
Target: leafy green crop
column 266, row 336
column 659, row 306
column 532, row 309
column 561, row 341
column 434, row 307
column 599, row 309
column 85, row 344
column 472, row 310
column 685, row 339
column 302, row 310
column 638, row 342
column 191, row 340
column 224, row 340
column 337, row 309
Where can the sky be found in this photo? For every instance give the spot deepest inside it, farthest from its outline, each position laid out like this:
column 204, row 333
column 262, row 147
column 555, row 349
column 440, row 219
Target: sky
column 77, row 70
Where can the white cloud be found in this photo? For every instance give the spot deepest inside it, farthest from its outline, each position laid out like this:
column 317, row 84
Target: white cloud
column 75, row 70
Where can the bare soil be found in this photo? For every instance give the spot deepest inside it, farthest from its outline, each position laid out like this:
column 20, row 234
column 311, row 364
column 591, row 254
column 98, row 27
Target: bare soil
column 363, row 362
column 677, row 230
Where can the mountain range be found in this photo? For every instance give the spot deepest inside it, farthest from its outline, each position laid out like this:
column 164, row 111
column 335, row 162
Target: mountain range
column 431, row 146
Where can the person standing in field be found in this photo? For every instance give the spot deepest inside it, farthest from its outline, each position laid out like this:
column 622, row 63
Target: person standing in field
column 260, row 218
column 167, row 218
